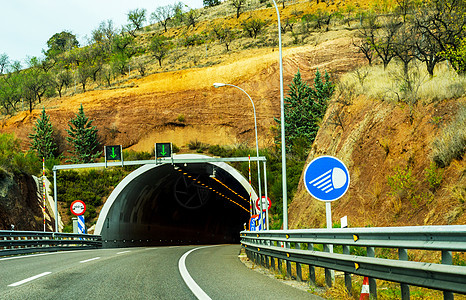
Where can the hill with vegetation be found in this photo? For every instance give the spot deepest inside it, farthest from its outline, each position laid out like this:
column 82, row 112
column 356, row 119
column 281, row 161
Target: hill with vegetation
column 391, row 110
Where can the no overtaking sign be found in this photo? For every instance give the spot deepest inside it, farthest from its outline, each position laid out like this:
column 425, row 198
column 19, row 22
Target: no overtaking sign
column 78, row 208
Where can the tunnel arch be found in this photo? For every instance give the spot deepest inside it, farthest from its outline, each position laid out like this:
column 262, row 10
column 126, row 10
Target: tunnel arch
column 176, row 204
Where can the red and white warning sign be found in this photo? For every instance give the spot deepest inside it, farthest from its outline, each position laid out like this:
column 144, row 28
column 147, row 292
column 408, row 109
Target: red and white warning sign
column 264, row 203
column 78, row 208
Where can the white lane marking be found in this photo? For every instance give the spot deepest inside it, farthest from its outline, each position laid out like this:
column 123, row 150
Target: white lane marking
column 90, row 259
column 124, row 252
column 29, row 279
column 192, row 285
column 52, row 253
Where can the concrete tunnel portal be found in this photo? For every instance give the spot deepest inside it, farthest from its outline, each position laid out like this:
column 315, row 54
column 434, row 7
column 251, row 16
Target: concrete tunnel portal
column 180, row 203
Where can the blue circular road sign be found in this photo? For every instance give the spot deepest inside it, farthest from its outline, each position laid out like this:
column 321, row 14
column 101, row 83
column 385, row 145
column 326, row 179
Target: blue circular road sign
column 326, row 178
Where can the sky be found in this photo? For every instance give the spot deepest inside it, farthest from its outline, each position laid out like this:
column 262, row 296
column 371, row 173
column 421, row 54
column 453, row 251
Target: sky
column 26, row 25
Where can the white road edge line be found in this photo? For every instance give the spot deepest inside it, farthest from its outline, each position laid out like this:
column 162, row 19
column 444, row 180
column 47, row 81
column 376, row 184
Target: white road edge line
column 90, row 259
column 124, row 252
column 192, row 285
column 29, row 279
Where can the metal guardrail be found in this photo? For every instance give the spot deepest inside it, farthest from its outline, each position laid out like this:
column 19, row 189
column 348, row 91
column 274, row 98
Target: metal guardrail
column 24, row 242
column 299, row 246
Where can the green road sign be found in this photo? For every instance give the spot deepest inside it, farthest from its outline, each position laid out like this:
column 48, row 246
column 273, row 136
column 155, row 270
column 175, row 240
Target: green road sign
column 113, row 152
column 163, row 150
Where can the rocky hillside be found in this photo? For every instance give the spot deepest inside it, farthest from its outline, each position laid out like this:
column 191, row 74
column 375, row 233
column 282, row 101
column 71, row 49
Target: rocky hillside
column 388, row 152
column 19, row 203
column 183, row 106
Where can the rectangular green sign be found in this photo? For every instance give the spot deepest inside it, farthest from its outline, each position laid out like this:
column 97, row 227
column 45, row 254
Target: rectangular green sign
column 163, row 150
column 113, row 152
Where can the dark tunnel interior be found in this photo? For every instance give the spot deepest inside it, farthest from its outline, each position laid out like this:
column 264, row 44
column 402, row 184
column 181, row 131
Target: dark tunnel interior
column 195, row 203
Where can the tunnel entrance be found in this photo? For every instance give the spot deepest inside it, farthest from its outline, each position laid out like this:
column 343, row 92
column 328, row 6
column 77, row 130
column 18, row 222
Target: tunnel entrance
column 179, row 203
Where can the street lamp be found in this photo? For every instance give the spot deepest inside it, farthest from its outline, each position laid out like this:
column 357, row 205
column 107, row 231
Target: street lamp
column 282, row 123
column 217, row 85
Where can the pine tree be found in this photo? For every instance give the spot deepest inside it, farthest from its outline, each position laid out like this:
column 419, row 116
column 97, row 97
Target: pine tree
column 304, row 109
column 42, row 138
column 321, row 94
column 83, row 138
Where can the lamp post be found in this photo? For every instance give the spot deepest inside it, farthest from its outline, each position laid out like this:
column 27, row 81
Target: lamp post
column 217, row 85
column 282, row 124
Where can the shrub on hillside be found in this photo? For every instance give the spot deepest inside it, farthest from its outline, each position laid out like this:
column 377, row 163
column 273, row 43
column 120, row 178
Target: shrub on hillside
column 13, row 160
column 450, row 144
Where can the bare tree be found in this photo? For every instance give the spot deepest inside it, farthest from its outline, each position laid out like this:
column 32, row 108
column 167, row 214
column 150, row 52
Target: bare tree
column 238, row 4
column 224, row 34
column 191, row 18
column 365, row 48
column 163, row 15
column 441, row 24
column 383, row 39
column 4, row 61
column 105, row 32
column 404, row 45
column 137, row 17
column 253, row 27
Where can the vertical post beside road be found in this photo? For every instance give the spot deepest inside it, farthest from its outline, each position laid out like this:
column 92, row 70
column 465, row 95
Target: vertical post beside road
column 447, row 259
column 403, row 255
column 282, row 123
column 55, row 197
column 372, row 281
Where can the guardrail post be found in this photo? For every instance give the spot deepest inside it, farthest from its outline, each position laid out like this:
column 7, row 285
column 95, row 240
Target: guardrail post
column 328, row 272
column 287, row 262
column 447, row 259
column 299, row 273
column 312, row 269
column 348, row 284
column 403, row 255
column 372, row 281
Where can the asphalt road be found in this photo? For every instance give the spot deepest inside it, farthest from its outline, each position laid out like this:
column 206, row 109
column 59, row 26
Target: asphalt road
column 139, row 273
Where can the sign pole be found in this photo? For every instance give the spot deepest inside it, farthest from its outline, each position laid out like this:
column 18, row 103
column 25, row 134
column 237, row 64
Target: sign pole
column 266, row 197
column 327, row 179
column 328, row 214
column 43, row 186
column 55, row 196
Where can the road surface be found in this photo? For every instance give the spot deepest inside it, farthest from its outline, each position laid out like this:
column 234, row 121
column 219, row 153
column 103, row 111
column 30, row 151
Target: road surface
column 183, row 272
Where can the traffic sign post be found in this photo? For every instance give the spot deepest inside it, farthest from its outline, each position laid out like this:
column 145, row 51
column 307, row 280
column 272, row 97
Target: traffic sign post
column 78, row 208
column 327, row 179
column 163, row 150
column 254, row 224
column 113, row 153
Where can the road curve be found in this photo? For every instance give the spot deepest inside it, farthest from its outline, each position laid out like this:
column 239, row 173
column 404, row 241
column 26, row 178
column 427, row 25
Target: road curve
column 138, row 273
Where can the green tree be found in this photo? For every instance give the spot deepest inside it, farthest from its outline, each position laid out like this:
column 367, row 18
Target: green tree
column 224, row 34
column 304, row 109
column 82, row 138
column 210, row 3
column 35, row 82
column 136, row 19
column 42, row 137
column 457, row 56
column 160, row 46
column 61, row 42
column 253, row 27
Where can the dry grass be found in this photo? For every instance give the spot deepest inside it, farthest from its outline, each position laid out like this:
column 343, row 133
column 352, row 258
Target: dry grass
column 376, row 83
column 451, row 141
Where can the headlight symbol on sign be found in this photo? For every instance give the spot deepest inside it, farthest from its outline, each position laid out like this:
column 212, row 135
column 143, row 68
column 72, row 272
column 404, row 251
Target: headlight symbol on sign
column 326, row 178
